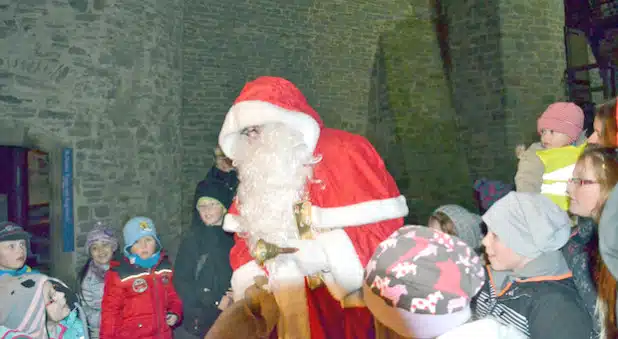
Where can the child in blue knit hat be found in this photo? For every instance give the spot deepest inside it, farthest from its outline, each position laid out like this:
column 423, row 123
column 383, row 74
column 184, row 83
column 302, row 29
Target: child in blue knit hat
column 140, row 300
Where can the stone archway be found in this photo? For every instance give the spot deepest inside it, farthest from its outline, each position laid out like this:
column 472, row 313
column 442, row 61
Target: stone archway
column 17, row 134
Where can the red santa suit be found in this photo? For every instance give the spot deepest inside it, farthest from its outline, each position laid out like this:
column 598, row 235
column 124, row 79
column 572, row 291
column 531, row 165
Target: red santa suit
column 355, row 206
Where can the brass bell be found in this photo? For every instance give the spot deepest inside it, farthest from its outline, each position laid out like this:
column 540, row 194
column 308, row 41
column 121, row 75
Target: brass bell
column 264, row 251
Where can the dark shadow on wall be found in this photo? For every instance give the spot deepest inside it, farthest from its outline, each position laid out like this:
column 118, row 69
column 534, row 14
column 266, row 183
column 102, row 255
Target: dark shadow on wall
column 412, row 120
column 442, row 30
column 381, row 127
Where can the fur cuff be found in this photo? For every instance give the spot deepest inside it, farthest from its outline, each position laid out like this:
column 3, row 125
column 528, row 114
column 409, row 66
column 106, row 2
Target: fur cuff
column 230, row 223
column 359, row 214
column 346, row 270
column 243, row 277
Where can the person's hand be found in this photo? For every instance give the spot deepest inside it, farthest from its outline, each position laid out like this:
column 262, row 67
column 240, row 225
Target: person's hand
column 310, row 256
column 171, row 319
column 519, row 150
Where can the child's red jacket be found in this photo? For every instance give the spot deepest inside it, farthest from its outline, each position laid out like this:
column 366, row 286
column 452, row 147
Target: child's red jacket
column 136, row 301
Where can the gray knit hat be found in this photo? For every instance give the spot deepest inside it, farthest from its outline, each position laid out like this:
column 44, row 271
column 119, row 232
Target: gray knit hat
column 467, row 225
column 529, row 223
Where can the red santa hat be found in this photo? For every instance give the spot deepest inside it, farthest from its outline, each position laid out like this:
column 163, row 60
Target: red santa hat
column 269, row 100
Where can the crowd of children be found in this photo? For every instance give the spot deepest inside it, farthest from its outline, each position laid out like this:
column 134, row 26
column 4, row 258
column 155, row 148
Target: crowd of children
column 540, row 262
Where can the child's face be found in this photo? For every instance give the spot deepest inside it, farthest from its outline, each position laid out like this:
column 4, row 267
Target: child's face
column 55, row 303
column 584, row 191
column 211, row 212
column 12, row 254
column 101, row 252
column 595, row 137
column 501, row 257
column 553, row 139
column 145, row 247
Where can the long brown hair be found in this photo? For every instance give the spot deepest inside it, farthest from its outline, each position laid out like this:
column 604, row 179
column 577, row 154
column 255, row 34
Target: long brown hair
column 446, row 224
column 604, row 163
column 607, row 115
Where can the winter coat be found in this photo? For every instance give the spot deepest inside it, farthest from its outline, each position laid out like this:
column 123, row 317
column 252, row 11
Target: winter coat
column 137, row 300
column 71, row 327
column 542, row 307
column 203, row 272
column 7, row 333
column 530, row 170
column 92, row 296
column 529, row 176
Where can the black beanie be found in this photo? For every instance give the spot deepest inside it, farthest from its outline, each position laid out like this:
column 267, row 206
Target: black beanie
column 215, row 189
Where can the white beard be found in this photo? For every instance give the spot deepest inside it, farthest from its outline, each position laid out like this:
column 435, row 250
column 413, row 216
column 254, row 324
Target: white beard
column 273, row 171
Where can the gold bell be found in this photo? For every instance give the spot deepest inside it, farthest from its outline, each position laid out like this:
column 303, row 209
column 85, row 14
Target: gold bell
column 264, row 251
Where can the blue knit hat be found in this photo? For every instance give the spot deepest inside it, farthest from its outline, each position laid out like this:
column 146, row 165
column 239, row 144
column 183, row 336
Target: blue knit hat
column 137, row 228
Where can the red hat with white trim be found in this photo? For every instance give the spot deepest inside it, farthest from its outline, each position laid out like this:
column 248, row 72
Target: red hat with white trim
column 269, row 100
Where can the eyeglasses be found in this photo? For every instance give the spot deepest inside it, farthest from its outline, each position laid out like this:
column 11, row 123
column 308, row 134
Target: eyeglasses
column 582, row 182
column 251, row 131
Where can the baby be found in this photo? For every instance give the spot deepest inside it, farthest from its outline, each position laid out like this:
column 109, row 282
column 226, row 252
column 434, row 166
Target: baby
column 546, row 166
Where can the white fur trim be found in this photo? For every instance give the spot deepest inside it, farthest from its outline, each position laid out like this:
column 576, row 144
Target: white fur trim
column 243, row 277
column 359, row 214
column 488, row 328
column 346, row 272
column 231, row 223
column 252, row 113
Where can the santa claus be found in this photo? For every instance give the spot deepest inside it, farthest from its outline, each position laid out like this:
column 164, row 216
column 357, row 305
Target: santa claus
column 322, row 191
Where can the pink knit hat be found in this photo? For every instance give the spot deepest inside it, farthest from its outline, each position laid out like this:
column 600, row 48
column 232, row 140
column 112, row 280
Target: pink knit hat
column 563, row 117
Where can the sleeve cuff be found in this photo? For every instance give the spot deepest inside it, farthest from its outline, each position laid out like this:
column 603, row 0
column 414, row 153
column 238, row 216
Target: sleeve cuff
column 363, row 213
column 231, row 223
column 243, row 277
column 346, row 269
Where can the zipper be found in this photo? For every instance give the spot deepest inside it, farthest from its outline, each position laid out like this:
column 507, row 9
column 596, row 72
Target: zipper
column 155, row 302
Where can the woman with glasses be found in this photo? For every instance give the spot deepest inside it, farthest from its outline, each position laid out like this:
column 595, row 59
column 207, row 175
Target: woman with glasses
column 595, row 175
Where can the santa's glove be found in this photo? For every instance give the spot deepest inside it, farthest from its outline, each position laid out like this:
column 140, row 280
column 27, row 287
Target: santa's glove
column 310, row 257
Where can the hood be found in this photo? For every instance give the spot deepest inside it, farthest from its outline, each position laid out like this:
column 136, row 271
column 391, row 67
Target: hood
column 608, row 233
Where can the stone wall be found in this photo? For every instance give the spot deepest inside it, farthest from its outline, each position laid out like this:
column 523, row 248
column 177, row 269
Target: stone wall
column 507, row 66
column 103, row 76
column 425, row 151
column 477, row 85
column 326, row 47
column 375, row 68
column 533, row 59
